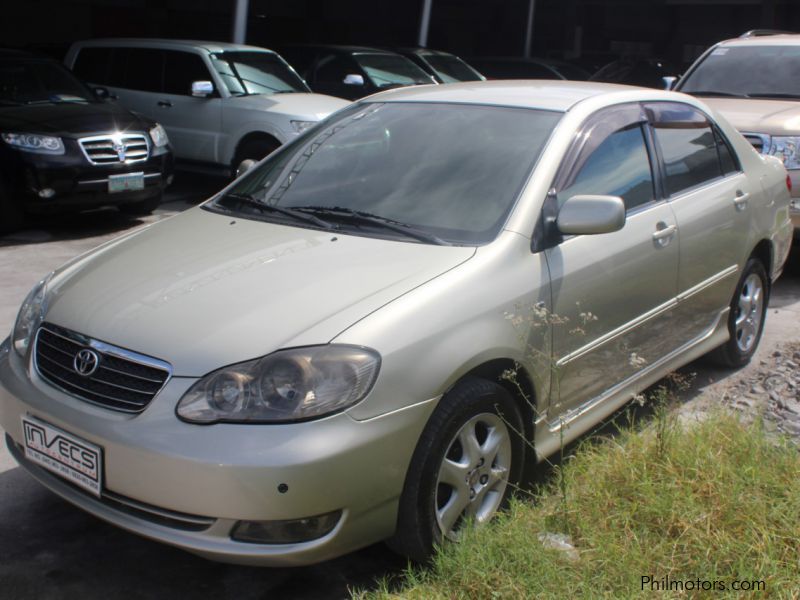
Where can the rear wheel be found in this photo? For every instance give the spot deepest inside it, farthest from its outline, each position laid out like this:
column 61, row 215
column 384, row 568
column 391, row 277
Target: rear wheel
column 746, row 319
column 142, row 208
column 466, row 464
column 251, row 152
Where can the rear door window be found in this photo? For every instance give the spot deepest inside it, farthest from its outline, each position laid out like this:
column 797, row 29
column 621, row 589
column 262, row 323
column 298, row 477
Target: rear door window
column 144, row 69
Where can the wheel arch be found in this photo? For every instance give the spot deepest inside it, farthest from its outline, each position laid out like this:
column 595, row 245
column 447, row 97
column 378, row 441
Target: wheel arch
column 765, row 252
column 254, row 136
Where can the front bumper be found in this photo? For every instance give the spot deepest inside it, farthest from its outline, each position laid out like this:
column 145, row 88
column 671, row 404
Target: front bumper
column 72, row 184
column 187, row 485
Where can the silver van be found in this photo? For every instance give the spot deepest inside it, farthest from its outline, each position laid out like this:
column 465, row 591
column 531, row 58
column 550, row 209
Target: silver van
column 224, row 106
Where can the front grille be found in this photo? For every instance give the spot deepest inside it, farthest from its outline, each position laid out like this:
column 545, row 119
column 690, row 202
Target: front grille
column 119, row 379
column 111, row 149
column 116, row 502
column 759, row 141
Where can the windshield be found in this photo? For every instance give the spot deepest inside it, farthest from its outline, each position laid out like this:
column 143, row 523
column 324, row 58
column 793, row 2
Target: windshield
column 751, row 71
column 451, row 69
column 451, row 171
column 256, row 73
column 40, row 81
column 389, row 70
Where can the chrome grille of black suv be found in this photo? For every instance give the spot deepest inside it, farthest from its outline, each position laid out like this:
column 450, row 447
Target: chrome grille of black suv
column 114, row 149
column 119, row 379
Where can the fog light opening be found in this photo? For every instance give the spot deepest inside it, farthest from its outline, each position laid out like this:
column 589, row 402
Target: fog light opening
column 292, row 531
column 47, row 193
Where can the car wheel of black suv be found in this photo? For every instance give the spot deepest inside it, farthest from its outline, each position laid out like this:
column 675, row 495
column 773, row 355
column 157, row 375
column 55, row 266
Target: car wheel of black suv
column 746, row 319
column 467, row 462
column 142, row 208
column 12, row 216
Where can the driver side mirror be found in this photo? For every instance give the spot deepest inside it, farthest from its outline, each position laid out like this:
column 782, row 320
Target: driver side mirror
column 353, row 79
column 590, row 214
column 669, row 82
column 103, row 93
column 202, row 89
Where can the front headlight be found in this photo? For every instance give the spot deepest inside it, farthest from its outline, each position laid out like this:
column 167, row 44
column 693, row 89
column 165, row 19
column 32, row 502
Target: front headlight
column 301, row 126
column 159, row 136
column 289, row 385
column 787, row 148
column 30, row 316
column 32, row 142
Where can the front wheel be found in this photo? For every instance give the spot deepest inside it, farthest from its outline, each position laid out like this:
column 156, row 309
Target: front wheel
column 251, row 153
column 466, row 464
column 746, row 319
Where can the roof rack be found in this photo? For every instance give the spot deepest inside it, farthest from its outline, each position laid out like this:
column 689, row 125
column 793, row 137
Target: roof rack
column 763, row 32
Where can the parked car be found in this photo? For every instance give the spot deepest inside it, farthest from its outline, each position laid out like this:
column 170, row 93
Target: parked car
column 224, row 106
column 512, row 67
column 754, row 81
column 442, row 66
column 353, row 72
column 348, row 343
column 631, row 70
column 64, row 149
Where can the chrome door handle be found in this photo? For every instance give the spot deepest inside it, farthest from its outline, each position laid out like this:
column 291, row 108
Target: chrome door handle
column 165, row 103
column 740, row 201
column 663, row 233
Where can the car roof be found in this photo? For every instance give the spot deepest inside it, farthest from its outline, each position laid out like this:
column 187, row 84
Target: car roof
column 534, row 93
column 209, row 46
column 764, row 40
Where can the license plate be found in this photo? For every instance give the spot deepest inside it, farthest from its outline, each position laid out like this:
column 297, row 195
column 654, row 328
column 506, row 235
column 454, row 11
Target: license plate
column 125, row 183
column 64, row 454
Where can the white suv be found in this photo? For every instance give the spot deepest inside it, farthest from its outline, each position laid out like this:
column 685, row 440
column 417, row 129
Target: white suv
column 224, row 106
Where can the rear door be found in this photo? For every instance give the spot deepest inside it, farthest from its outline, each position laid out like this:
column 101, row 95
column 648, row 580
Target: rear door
column 712, row 200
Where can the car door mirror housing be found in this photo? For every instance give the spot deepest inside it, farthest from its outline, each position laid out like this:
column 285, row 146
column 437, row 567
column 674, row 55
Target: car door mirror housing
column 669, row 82
column 202, row 89
column 103, row 93
column 353, row 79
column 590, row 214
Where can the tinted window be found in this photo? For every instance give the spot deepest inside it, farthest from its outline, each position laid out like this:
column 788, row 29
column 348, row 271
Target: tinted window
column 92, row 64
column 754, row 71
column 726, row 159
column 388, row 70
column 181, row 69
column 450, row 68
column 333, row 69
column 452, row 170
column 690, row 156
column 39, row 81
column 116, row 68
column 144, row 69
column 619, row 166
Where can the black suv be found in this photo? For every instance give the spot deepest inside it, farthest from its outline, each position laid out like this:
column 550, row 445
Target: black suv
column 64, row 148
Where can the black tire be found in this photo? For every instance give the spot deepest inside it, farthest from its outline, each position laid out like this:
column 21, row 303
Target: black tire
column 254, row 150
column 418, row 530
column 12, row 216
column 732, row 354
column 142, row 208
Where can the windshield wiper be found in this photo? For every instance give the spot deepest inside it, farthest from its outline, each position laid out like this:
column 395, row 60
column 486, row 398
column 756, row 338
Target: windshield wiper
column 714, row 93
column 366, row 217
column 778, row 96
column 253, row 202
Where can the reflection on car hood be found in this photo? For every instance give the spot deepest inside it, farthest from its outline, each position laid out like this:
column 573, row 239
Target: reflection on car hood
column 68, row 119
column 301, row 106
column 203, row 290
column 775, row 117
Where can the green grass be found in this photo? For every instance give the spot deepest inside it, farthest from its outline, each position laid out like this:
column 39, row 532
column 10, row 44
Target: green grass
column 716, row 501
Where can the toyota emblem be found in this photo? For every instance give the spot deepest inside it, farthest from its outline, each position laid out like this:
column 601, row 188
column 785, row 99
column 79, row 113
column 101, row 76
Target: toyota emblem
column 86, row 362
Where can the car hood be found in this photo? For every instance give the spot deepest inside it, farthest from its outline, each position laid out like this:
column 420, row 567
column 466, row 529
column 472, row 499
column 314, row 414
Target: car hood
column 302, row 106
column 68, row 119
column 202, row 290
column 774, row 117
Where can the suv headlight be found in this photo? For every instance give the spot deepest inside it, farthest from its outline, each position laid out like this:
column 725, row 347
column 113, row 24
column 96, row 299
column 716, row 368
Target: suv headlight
column 32, row 142
column 289, row 385
column 301, row 126
column 159, row 136
column 787, row 148
column 30, row 316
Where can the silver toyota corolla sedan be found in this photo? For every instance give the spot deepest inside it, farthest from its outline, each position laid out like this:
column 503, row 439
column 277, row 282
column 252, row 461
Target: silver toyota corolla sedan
column 349, row 343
